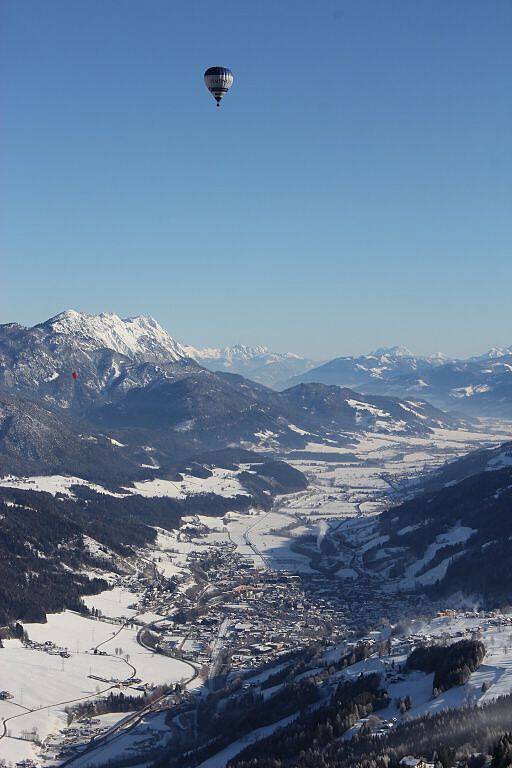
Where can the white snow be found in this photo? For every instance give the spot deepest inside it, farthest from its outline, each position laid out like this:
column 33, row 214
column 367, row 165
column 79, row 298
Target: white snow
column 470, row 390
column 53, row 484
column 456, row 535
column 222, row 482
column 414, row 410
column 116, row 442
column 239, row 352
column 222, row 758
column 114, row 603
column 45, row 683
column 359, row 406
column 136, row 337
column 298, row 430
column 312, row 447
column 409, row 529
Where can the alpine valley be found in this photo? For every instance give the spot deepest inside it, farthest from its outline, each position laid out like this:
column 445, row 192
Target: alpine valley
column 237, row 557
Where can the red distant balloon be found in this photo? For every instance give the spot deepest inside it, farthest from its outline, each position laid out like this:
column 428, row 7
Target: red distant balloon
column 75, row 375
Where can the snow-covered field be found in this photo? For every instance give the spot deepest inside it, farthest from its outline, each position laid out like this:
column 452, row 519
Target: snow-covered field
column 53, row 484
column 222, row 482
column 42, row 685
column 114, row 603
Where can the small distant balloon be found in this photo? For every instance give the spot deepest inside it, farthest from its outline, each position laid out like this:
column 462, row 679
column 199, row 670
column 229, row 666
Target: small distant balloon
column 218, row 80
column 75, row 375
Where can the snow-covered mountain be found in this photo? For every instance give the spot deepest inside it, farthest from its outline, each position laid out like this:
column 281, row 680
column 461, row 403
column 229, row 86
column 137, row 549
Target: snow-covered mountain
column 113, row 355
column 369, row 372
column 479, row 386
column 135, row 383
column 106, row 350
column 256, row 362
column 237, row 352
column 493, row 354
column 107, row 353
column 456, row 535
column 396, row 351
column 139, row 338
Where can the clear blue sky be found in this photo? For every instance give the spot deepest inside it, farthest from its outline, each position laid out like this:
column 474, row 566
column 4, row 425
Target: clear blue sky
column 354, row 190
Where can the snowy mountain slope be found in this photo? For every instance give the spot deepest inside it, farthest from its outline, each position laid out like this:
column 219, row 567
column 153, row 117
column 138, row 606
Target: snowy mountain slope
column 256, row 362
column 139, row 338
column 483, row 460
column 209, row 411
column 35, row 439
column 454, row 536
column 108, row 354
column 230, row 354
column 342, row 408
column 178, row 417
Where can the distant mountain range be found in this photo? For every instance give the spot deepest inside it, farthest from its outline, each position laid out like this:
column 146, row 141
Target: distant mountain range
column 257, row 363
column 374, row 369
column 136, row 389
column 479, row 386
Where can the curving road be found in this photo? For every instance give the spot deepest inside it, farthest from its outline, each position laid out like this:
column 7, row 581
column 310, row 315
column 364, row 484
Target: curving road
column 103, row 741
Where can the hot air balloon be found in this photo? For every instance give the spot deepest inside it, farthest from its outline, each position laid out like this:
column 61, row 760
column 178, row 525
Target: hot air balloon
column 75, row 375
column 218, row 80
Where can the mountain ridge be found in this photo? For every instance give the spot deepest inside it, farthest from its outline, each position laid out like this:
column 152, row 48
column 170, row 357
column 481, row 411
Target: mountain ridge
column 256, row 362
column 144, row 391
column 138, row 337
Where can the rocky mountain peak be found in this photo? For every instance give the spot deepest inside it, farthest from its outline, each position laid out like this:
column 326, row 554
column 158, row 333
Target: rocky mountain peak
column 139, row 338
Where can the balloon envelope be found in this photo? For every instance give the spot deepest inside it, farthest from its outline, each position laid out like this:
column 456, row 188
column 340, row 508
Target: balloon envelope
column 218, row 80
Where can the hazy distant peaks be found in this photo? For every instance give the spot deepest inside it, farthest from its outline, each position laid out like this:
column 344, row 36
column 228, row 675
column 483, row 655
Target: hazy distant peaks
column 494, row 353
column 396, row 351
column 400, row 351
column 237, row 352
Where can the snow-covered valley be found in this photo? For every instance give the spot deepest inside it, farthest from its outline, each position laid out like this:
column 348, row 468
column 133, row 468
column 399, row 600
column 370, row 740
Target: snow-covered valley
column 134, row 640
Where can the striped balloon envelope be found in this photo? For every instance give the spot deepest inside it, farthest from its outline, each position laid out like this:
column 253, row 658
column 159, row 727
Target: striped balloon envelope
column 218, row 80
